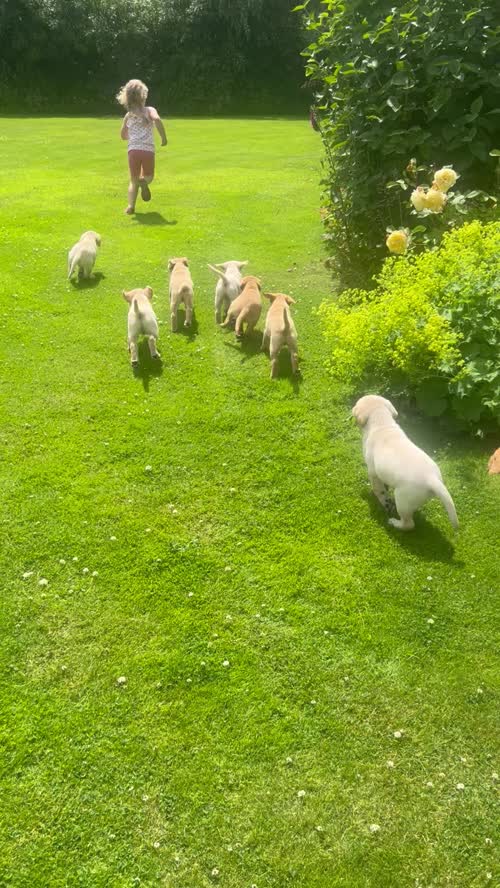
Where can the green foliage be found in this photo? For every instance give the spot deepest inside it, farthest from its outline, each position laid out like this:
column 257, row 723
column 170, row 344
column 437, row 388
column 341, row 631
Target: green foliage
column 430, row 328
column 394, row 82
column 203, row 56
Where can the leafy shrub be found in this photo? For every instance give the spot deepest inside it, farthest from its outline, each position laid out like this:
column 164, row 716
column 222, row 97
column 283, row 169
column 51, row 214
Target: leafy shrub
column 396, row 81
column 429, row 329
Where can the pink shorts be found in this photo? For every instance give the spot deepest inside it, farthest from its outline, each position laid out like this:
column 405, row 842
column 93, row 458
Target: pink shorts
column 141, row 163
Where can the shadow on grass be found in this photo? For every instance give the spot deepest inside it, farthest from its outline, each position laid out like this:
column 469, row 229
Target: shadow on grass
column 153, row 219
column 190, row 332
column 426, row 540
column 249, row 346
column 148, row 367
column 88, row 283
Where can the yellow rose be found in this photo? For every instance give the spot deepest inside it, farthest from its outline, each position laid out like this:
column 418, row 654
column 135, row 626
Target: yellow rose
column 419, row 199
column 435, row 200
column 445, row 179
column 397, row 242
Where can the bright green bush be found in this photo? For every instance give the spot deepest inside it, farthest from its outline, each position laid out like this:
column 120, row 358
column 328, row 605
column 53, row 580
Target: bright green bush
column 429, row 329
column 396, row 81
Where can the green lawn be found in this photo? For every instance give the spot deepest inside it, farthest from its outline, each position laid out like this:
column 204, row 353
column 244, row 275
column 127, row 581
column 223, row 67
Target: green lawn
column 253, row 540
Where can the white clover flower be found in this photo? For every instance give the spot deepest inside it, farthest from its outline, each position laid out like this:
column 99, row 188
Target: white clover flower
column 436, row 200
column 228, row 569
column 289, row 760
column 398, row 735
column 390, row 763
column 460, row 787
column 419, row 199
column 95, row 573
column 43, row 582
column 215, row 872
column 113, row 539
column 85, row 570
column 156, row 845
column 488, row 841
column 27, row 574
column 75, row 558
column 121, row 680
column 430, row 621
column 148, row 468
column 225, row 663
column 397, row 242
column 445, row 179
column 301, row 793
column 429, row 784
column 62, row 561
column 374, row 828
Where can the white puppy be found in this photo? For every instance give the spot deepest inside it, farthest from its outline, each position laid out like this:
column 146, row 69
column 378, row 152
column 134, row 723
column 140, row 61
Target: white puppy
column 141, row 321
column 84, row 254
column 394, row 461
column 227, row 287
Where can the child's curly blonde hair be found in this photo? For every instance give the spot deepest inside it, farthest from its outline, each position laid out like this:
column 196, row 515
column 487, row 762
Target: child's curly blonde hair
column 133, row 95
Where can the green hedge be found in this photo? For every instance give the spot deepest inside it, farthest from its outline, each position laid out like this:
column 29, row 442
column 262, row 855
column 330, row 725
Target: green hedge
column 201, row 57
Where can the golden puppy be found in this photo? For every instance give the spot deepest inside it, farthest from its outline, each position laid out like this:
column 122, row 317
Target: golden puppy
column 246, row 308
column 84, row 254
column 141, row 320
column 394, row 461
column 181, row 290
column 280, row 330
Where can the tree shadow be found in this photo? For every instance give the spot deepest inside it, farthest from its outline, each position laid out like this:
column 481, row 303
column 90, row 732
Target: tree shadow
column 426, row 541
column 153, row 218
column 250, row 344
column 88, row 283
column 147, row 367
column 190, row 332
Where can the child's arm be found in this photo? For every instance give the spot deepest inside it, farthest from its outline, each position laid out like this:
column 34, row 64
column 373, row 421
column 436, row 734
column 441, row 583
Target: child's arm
column 124, row 129
column 155, row 117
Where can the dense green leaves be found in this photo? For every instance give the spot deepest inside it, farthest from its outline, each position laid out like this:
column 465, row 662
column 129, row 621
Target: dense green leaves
column 394, row 82
column 196, row 55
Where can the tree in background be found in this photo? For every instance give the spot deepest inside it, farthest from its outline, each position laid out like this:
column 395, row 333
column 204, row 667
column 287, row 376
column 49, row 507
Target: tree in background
column 197, row 56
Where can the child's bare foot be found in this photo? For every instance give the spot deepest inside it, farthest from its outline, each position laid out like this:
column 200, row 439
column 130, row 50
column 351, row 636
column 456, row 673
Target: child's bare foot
column 145, row 192
column 130, row 211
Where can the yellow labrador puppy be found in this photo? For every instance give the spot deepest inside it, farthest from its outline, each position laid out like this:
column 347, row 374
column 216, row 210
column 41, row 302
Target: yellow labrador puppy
column 84, row 254
column 181, row 290
column 280, row 330
column 141, row 321
column 246, row 308
column 394, row 461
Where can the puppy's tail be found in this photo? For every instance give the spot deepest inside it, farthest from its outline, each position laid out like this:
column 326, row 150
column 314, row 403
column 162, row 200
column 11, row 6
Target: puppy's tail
column 285, row 318
column 442, row 494
column 218, row 272
column 136, row 307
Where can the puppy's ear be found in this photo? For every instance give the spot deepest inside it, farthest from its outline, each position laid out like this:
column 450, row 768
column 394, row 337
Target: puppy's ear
column 289, row 300
column 126, row 296
column 171, row 264
column 390, row 407
column 185, row 262
column 259, row 283
column 361, row 412
column 149, row 293
column 270, row 296
column 98, row 240
column 242, row 264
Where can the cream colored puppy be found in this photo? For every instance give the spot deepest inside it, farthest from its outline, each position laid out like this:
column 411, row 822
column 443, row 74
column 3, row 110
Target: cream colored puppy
column 84, row 254
column 280, row 330
column 246, row 308
column 141, row 321
column 228, row 286
column 394, row 461
column 181, row 290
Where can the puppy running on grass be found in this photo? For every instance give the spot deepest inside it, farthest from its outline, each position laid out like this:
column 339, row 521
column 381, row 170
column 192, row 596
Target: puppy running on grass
column 280, row 330
column 141, row 321
column 246, row 308
column 228, row 286
column 84, row 254
column 394, row 461
column 181, row 291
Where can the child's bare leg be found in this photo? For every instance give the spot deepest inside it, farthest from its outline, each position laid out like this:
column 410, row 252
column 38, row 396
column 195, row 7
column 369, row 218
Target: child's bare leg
column 144, row 183
column 133, row 188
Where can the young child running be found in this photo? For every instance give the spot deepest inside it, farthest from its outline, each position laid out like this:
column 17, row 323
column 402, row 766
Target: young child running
column 137, row 129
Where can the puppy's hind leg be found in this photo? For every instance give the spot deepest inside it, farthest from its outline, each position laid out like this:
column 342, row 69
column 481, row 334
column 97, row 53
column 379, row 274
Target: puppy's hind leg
column 173, row 316
column 381, row 493
column 152, row 347
column 134, row 356
column 405, row 511
column 188, row 302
